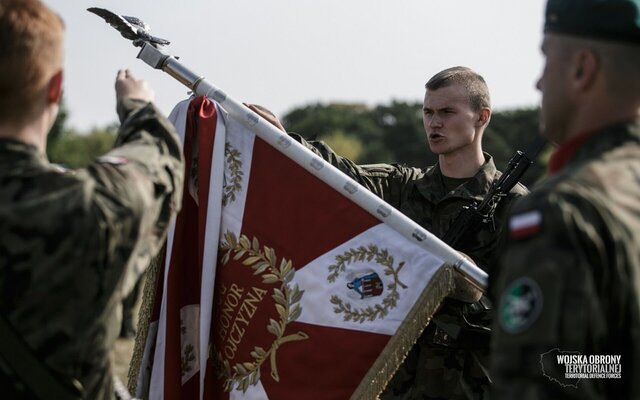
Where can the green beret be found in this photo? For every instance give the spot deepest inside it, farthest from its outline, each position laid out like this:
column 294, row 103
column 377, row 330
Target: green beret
column 615, row 20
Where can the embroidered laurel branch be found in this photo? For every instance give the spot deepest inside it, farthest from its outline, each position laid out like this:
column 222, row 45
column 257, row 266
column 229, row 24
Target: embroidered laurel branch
column 361, row 254
column 188, row 352
column 235, row 167
column 264, row 262
column 187, row 358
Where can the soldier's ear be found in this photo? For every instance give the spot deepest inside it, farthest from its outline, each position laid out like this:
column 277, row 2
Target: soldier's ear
column 54, row 88
column 484, row 115
column 584, row 69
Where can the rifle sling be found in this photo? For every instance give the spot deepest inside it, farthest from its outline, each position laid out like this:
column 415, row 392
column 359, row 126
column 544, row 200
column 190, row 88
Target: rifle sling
column 33, row 372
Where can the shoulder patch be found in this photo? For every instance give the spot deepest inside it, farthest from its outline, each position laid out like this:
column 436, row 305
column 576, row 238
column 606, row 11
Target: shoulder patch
column 520, row 305
column 524, row 225
column 115, row 160
column 59, row 168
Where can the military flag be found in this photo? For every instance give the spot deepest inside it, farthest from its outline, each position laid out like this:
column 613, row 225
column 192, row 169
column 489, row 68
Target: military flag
column 282, row 278
column 275, row 285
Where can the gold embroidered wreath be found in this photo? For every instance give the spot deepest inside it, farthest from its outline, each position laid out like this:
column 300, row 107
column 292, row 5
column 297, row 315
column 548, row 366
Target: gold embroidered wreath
column 264, row 262
column 361, row 254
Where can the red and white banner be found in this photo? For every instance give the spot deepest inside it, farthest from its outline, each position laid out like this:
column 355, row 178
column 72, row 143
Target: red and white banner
column 275, row 285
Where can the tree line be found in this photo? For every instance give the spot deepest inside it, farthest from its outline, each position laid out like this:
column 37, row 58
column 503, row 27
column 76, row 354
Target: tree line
column 385, row 133
column 393, row 133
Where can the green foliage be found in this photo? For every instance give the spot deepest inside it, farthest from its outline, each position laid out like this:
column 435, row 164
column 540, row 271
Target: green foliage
column 317, row 121
column 74, row 150
column 394, row 133
column 513, row 130
column 404, row 135
column 346, row 145
column 386, row 133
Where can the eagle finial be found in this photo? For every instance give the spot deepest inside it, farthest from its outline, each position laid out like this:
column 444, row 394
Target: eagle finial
column 131, row 28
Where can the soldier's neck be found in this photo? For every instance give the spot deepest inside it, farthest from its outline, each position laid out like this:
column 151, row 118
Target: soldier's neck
column 33, row 132
column 461, row 164
column 596, row 112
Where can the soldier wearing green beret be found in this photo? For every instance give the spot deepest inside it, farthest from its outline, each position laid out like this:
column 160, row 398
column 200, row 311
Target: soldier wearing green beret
column 72, row 243
column 568, row 318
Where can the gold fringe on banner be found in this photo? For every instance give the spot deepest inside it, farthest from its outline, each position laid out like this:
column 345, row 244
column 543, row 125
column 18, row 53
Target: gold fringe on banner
column 144, row 319
column 394, row 353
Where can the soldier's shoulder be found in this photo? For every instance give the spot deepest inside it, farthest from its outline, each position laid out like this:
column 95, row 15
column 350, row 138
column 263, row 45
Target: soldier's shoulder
column 42, row 178
column 548, row 194
column 616, row 170
column 557, row 205
column 610, row 184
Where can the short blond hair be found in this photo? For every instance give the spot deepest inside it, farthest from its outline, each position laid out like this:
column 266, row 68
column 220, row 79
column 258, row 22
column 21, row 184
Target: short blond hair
column 474, row 84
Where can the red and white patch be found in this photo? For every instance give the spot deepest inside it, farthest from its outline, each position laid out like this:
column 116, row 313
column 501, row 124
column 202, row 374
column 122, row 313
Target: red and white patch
column 115, row 160
column 525, row 224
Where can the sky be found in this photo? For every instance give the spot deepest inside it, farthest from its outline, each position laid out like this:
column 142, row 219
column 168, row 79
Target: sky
column 284, row 54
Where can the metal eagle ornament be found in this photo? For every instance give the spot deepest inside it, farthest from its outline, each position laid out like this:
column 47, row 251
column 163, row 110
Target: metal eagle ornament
column 131, row 28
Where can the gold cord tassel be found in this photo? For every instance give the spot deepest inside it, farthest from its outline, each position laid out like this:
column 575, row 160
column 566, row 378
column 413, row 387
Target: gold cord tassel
column 144, row 319
column 388, row 362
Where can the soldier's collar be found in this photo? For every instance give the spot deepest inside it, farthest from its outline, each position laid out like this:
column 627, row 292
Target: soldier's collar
column 14, row 150
column 564, row 152
column 432, row 188
column 17, row 146
column 613, row 135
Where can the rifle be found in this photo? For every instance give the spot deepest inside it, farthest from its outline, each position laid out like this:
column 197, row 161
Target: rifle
column 471, row 218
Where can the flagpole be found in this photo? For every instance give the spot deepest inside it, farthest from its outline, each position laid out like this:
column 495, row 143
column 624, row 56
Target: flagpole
column 335, row 178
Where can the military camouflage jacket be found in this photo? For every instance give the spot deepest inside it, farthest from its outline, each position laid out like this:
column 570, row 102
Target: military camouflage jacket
column 420, row 194
column 570, row 277
column 431, row 370
column 73, row 243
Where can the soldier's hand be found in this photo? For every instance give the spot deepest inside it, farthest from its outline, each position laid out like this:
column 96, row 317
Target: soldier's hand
column 127, row 86
column 463, row 289
column 266, row 114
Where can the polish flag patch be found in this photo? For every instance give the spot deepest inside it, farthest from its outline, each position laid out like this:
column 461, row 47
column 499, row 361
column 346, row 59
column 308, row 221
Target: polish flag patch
column 524, row 225
column 115, row 160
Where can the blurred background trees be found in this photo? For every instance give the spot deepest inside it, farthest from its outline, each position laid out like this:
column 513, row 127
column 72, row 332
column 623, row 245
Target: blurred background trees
column 393, row 133
column 73, row 149
column 385, row 133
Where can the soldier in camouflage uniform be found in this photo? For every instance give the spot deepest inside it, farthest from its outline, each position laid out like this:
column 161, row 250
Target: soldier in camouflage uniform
column 570, row 275
column 450, row 360
column 73, row 243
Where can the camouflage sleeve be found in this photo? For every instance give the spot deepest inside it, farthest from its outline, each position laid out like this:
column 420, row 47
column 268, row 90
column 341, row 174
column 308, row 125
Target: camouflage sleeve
column 387, row 181
column 548, row 293
column 134, row 190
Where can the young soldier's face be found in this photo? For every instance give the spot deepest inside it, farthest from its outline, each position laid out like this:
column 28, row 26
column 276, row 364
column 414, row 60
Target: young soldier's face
column 449, row 121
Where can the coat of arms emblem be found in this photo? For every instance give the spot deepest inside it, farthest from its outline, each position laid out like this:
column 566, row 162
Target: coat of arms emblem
column 368, row 285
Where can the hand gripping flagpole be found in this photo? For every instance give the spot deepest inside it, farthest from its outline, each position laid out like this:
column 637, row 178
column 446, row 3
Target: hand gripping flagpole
column 137, row 31
column 155, row 58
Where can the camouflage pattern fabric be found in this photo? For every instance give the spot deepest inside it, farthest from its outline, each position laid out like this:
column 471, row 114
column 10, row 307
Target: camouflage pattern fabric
column 73, row 243
column 439, row 366
column 573, row 271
